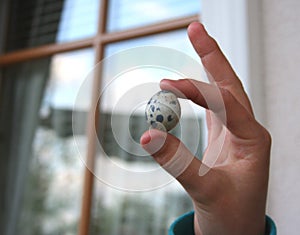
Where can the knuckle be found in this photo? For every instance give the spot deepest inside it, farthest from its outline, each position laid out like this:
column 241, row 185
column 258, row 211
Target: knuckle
column 266, row 137
column 225, row 93
column 227, row 97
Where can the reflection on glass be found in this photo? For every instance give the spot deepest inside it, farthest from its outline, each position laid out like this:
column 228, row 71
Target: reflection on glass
column 68, row 72
column 78, row 20
column 31, row 23
column 53, row 188
column 177, row 40
column 121, row 164
column 151, row 213
column 45, row 22
column 125, row 14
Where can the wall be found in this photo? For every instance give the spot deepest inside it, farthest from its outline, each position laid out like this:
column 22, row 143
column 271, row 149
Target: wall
column 281, row 39
column 261, row 39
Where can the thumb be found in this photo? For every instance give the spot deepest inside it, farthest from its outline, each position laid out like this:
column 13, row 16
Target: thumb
column 173, row 156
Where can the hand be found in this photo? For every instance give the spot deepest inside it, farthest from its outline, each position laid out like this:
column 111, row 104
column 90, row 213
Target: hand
column 230, row 198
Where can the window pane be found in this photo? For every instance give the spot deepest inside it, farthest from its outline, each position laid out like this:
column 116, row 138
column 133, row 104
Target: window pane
column 32, row 23
column 47, row 171
column 79, row 20
column 122, row 167
column 35, row 23
column 177, row 40
column 125, row 14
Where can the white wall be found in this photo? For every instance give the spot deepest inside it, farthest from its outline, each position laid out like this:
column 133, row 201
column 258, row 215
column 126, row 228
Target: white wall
column 236, row 25
column 224, row 20
column 269, row 59
column 281, row 38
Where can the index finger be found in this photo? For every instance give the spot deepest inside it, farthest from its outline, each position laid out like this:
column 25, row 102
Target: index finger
column 228, row 109
column 217, row 66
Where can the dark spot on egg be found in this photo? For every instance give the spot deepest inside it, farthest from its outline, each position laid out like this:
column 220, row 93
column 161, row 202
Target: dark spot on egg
column 173, row 102
column 160, row 118
column 152, row 107
column 170, row 118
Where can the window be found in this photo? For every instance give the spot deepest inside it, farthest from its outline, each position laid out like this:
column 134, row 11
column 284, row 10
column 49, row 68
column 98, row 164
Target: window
column 50, row 49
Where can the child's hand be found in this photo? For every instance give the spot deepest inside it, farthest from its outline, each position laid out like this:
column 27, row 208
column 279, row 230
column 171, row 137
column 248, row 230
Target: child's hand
column 230, row 197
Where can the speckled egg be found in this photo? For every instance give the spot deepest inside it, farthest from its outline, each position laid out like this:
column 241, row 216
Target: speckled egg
column 163, row 111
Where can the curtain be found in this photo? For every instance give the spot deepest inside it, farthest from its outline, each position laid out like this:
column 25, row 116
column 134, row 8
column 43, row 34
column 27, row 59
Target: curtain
column 21, row 94
column 3, row 23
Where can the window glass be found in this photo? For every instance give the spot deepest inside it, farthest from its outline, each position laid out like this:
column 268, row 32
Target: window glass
column 132, row 193
column 174, row 40
column 54, row 181
column 126, row 14
column 79, row 20
column 32, row 23
column 177, row 40
column 36, row 23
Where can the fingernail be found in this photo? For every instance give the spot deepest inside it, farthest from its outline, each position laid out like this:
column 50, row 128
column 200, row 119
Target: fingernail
column 165, row 80
column 153, row 140
column 145, row 139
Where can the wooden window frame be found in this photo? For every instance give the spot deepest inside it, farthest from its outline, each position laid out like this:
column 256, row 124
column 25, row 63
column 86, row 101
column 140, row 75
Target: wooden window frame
column 97, row 42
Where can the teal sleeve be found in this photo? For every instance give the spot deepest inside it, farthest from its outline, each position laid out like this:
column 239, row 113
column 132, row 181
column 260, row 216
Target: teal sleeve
column 184, row 225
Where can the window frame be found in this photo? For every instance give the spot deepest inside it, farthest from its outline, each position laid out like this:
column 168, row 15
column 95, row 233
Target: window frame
column 98, row 42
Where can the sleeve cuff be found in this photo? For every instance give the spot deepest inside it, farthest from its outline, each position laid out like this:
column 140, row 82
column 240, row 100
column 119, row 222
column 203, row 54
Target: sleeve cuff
column 184, row 225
